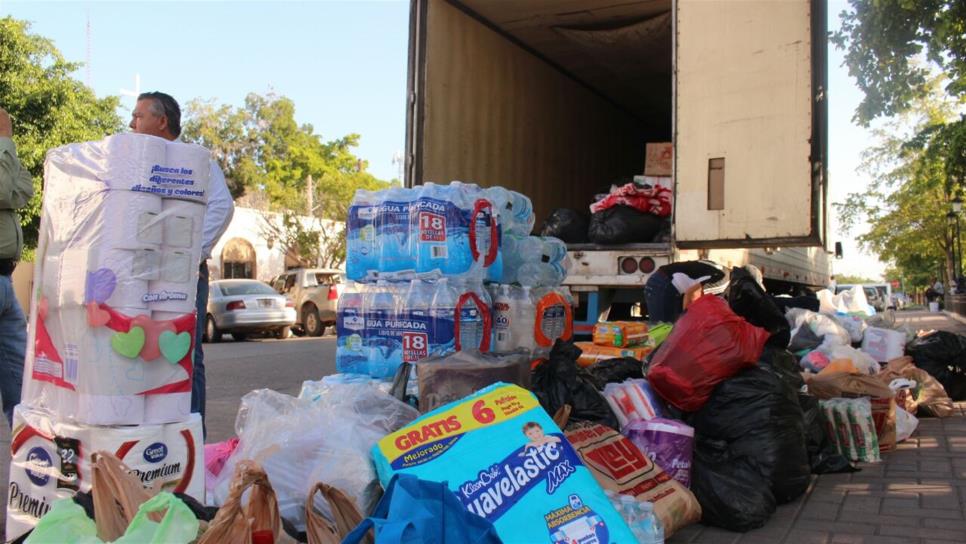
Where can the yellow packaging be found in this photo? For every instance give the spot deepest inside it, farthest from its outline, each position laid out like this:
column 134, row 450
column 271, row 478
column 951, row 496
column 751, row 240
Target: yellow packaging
column 593, row 353
column 620, row 333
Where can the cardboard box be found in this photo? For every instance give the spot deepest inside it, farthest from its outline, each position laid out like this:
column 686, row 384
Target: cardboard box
column 659, row 160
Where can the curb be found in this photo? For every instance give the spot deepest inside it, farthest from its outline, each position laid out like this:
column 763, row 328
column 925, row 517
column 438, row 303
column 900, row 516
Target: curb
column 955, row 316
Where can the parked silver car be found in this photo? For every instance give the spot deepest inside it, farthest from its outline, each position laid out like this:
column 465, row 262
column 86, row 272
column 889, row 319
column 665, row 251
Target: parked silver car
column 242, row 307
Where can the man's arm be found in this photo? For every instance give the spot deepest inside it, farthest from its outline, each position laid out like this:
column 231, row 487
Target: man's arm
column 16, row 187
column 219, row 212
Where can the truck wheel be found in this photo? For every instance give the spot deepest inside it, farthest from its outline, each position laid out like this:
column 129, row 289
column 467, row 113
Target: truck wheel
column 212, row 334
column 282, row 333
column 312, row 321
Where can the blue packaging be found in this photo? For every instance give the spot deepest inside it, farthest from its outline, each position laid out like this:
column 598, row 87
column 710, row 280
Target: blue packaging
column 508, row 462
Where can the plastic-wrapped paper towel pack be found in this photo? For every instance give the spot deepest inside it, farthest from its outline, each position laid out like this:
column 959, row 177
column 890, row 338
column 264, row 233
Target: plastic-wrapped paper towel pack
column 52, row 460
column 112, row 321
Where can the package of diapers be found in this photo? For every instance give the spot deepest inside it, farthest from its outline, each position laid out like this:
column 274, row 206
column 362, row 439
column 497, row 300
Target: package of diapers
column 112, row 318
column 508, row 462
column 51, row 459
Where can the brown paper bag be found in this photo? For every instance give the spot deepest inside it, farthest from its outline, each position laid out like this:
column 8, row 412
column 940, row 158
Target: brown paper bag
column 844, row 384
column 117, row 494
column 930, row 396
column 257, row 522
column 618, row 465
column 344, row 510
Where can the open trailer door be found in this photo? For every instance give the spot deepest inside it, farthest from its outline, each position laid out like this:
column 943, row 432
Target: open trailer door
column 750, row 123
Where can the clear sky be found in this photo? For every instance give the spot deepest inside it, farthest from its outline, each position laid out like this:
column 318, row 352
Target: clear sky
column 342, row 63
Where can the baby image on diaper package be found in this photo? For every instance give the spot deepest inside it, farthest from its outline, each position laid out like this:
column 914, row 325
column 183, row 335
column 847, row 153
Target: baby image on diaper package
column 507, row 461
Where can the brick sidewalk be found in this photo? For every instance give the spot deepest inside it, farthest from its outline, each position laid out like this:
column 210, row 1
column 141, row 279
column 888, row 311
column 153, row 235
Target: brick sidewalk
column 917, row 494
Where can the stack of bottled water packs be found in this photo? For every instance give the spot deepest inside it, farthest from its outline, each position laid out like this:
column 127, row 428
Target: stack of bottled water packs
column 417, row 261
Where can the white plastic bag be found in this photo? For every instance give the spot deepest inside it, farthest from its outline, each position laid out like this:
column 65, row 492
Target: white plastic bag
column 831, row 331
column 300, row 442
column 852, row 301
column 906, row 424
column 854, row 324
column 862, row 361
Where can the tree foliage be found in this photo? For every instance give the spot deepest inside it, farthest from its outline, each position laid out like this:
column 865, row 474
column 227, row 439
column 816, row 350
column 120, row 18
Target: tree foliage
column 890, row 44
column 265, row 152
column 852, row 280
column 913, row 184
column 48, row 106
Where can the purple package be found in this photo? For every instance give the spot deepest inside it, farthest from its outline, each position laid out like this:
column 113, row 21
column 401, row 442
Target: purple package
column 667, row 442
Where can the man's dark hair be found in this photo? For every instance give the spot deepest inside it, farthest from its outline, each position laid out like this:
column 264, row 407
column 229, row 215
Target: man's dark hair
column 166, row 105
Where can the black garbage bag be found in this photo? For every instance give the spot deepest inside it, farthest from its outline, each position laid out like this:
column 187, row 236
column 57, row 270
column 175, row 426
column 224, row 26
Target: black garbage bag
column 558, row 381
column 623, row 225
column 809, row 303
column 757, row 414
column 823, row 456
column 731, row 489
column 943, row 355
column 615, row 371
column 750, row 301
column 566, row 224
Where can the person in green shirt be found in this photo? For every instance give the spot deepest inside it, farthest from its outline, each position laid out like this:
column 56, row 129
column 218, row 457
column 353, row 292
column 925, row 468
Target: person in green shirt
column 16, row 188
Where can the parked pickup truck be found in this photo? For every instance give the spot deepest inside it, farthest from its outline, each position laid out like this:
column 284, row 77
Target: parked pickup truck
column 315, row 292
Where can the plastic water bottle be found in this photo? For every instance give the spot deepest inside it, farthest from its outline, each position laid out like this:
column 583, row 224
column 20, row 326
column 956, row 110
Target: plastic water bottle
column 523, row 319
column 393, row 231
column 554, row 249
column 503, row 341
column 474, row 327
column 361, row 249
column 350, row 353
column 515, row 210
column 443, row 316
column 414, row 321
column 384, row 349
column 433, row 217
column 540, row 274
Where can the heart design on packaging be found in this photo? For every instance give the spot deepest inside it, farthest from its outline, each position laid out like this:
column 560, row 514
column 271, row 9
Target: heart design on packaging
column 129, row 343
column 174, row 347
column 100, row 285
column 152, row 334
column 96, row 316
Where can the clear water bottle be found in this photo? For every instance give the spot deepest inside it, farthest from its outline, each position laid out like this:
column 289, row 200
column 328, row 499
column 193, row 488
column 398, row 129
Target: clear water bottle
column 540, row 274
column 503, row 341
column 382, row 345
column 474, row 325
column 443, row 317
column 554, row 249
column 515, row 210
column 433, row 216
column 524, row 319
column 350, row 353
column 415, row 323
column 361, row 250
column 396, row 246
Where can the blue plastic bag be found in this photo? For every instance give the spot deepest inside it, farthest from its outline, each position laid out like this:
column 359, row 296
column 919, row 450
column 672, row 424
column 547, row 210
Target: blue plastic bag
column 415, row 511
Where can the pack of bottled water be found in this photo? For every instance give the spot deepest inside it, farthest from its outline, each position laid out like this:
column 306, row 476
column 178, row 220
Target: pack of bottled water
column 418, row 259
column 453, row 229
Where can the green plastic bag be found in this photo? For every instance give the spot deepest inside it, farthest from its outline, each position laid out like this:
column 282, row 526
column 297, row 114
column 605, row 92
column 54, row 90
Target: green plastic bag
column 179, row 524
column 658, row 333
column 66, row 523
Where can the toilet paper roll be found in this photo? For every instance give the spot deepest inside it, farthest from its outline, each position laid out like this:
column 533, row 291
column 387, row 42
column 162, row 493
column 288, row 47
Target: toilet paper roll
column 51, row 460
column 184, row 174
column 167, row 316
column 167, row 408
column 129, row 160
column 183, row 223
column 110, row 409
column 177, row 287
column 64, row 277
column 132, row 294
column 128, row 220
column 127, row 264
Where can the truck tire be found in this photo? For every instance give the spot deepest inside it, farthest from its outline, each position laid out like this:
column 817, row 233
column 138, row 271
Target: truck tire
column 212, row 334
column 282, row 333
column 311, row 321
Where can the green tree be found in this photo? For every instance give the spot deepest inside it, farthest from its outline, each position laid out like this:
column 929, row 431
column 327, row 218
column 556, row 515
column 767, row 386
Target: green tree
column 886, row 43
column 263, row 150
column 909, row 198
column 49, row 107
column 853, row 280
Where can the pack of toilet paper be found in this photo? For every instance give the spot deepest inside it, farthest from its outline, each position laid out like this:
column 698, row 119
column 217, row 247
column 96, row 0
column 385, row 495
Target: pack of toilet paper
column 112, row 319
column 52, row 460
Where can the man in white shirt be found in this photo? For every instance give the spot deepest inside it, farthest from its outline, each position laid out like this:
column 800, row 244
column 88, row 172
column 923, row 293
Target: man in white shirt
column 158, row 114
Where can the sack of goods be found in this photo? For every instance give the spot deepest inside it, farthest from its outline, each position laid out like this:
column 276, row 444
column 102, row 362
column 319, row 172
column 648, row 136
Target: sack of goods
column 113, row 312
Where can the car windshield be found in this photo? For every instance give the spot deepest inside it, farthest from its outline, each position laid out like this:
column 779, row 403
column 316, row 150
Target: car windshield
column 241, row 287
